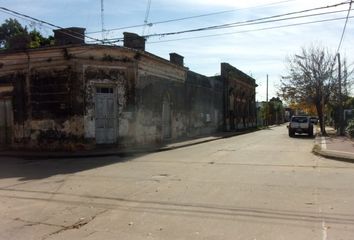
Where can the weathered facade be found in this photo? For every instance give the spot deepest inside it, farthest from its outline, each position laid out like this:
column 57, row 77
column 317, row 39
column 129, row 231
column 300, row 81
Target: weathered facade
column 77, row 96
column 240, row 94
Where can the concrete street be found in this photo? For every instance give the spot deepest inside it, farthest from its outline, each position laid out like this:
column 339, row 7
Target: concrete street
column 261, row 185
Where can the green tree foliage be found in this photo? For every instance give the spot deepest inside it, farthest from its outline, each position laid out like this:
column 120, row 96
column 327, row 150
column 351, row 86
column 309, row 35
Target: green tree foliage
column 310, row 79
column 276, row 110
column 272, row 112
column 37, row 40
column 348, row 102
column 350, row 128
column 15, row 36
column 10, row 29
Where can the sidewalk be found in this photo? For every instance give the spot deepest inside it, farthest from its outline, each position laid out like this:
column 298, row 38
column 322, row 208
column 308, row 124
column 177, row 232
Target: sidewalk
column 336, row 147
column 124, row 152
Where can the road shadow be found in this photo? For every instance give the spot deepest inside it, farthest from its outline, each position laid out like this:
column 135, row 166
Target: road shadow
column 31, row 169
column 43, row 167
column 303, row 136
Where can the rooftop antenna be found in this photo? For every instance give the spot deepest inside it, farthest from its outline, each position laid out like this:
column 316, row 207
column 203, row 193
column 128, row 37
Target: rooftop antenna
column 102, row 22
column 146, row 16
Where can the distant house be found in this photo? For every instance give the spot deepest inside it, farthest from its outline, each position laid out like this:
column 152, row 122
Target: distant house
column 75, row 95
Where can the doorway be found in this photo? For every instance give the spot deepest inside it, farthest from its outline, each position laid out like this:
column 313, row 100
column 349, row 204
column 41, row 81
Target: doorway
column 105, row 124
column 166, row 118
column 6, row 121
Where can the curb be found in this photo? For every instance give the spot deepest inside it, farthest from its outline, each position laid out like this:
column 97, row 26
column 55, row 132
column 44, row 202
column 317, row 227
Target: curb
column 331, row 154
column 336, row 155
column 162, row 149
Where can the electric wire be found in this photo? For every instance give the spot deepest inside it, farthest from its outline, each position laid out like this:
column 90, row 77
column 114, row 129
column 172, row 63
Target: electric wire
column 191, row 17
column 344, row 28
column 252, row 30
column 229, row 25
column 67, row 31
column 250, row 22
column 242, row 22
column 342, row 36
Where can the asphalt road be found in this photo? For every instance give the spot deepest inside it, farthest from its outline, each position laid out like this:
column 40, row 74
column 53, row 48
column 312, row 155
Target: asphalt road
column 262, row 185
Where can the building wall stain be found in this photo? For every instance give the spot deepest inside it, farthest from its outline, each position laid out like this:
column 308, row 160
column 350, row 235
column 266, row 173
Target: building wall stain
column 106, row 76
column 155, row 100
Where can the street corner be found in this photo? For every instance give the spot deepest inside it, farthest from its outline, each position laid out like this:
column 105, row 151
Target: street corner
column 332, row 147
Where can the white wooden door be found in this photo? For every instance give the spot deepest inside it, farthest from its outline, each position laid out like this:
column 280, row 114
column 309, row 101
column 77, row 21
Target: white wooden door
column 105, row 115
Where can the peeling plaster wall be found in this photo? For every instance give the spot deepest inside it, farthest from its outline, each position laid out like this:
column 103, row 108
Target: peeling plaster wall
column 54, row 89
column 107, row 76
column 45, row 115
column 156, row 80
column 204, row 97
column 110, row 67
column 54, row 119
column 195, row 102
column 239, row 97
column 53, row 94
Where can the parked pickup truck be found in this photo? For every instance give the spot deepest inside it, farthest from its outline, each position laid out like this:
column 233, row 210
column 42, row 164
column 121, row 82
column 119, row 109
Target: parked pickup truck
column 300, row 124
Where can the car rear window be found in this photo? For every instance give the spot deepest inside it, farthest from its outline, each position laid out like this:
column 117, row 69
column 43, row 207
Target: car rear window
column 299, row 119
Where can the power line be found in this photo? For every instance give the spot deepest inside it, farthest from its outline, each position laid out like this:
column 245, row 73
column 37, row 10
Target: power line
column 253, row 30
column 342, row 36
column 191, row 17
column 247, row 22
column 344, row 28
column 12, row 14
column 285, row 19
column 242, row 22
column 67, row 31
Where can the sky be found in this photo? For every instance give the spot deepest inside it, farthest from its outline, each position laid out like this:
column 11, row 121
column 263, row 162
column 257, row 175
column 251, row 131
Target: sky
column 253, row 49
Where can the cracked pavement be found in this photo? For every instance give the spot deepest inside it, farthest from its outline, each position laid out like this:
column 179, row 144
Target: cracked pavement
column 262, row 185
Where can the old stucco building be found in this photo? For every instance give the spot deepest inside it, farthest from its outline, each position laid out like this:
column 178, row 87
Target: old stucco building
column 240, row 93
column 74, row 95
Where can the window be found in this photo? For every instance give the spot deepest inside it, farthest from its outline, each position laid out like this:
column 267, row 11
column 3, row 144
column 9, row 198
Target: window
column 300, row 119
column 104, row 90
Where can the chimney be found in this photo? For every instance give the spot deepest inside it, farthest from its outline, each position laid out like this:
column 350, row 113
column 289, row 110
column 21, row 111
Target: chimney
column 132, row 40
column 72, row 35
column 176, row 59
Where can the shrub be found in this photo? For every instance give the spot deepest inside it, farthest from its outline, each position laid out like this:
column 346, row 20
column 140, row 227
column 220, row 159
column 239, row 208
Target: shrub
column 350, row 128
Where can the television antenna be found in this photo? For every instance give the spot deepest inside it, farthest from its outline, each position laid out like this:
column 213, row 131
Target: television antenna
column 102, row 22
column 147, row 16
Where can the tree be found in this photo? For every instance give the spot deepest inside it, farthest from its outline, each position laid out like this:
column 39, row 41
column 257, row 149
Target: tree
column 310, row 79
column 276, row 110
column 14, row 36
column 9, row 30
column 304, row 107
column 37, row 39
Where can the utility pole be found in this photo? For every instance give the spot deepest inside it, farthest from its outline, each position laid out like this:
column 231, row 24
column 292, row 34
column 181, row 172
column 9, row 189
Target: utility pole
column 341, row 123
column 267, row 90
column 267, row 104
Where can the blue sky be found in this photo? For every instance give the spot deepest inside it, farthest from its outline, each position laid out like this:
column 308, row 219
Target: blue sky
column 257, row 53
